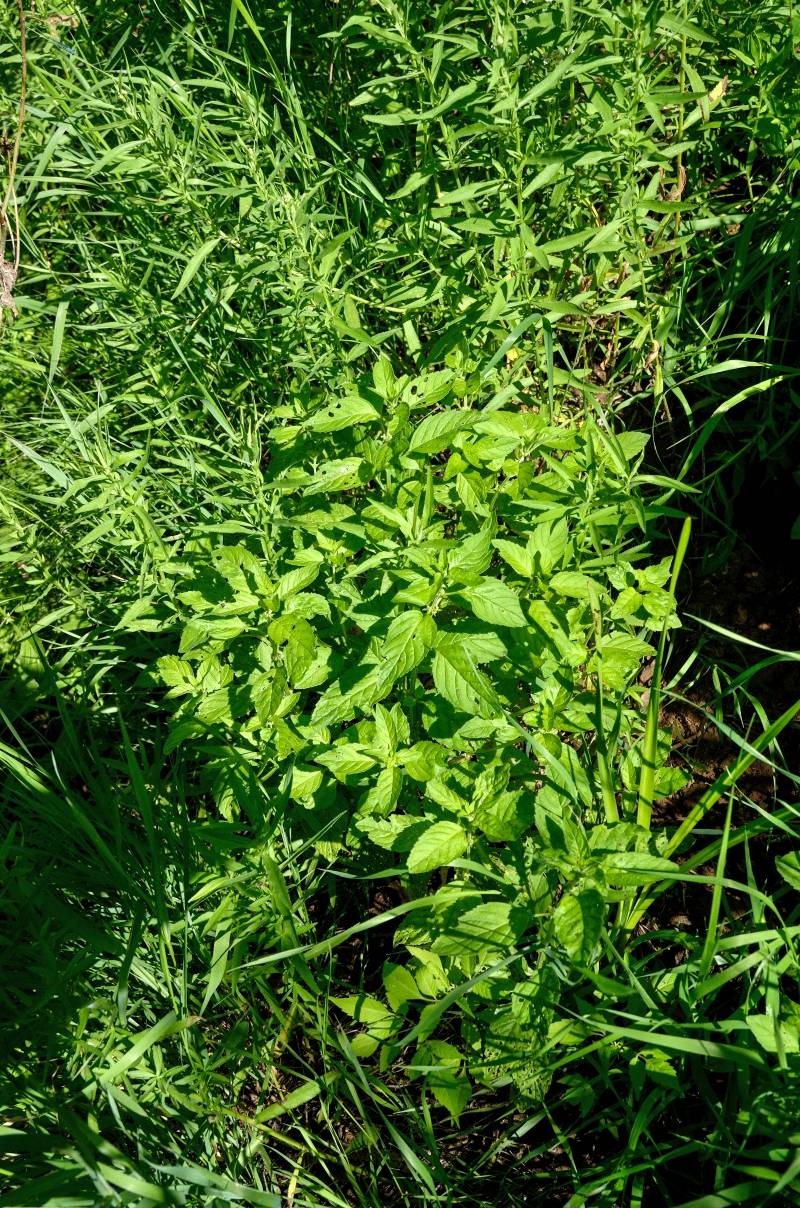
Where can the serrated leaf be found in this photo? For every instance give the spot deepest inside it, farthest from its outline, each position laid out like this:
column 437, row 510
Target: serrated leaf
column 343, row 413
column 474, row 554
column 177, row 674
column 768, row 1032
column 398, row 832
column 789, row 868
column 578, row 922
column 407, row 641
column 318, row 671
column 295, row 580
column 362, row 1009
column 631, row 868
column 627, row 603
column 437, row 846
column 459, row 681
column 451, row 1089
column 399, row 985
column 618, row 658
column 484, row 647
column 305, row 782
column 548, row 543
column 346, row 759
column 422, row 759
column 573, row 583
column 505, row 818
column 405, row 645
column 488, row 926
column 300, row 651
column 338, row 475
column 437, row 431
column 382, row 797
column 496, row 603
column 518, row 557
column 337, row 705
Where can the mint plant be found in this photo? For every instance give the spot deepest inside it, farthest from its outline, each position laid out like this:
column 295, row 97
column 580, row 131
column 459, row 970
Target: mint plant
column 337, row 634
column 429, row 654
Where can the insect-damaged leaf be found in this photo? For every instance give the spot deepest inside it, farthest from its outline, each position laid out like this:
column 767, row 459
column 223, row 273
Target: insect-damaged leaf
column 336, row 416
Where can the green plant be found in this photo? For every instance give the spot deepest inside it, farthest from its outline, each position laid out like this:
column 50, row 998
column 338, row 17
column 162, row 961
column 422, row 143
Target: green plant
column 368, row 665
column 346, row 858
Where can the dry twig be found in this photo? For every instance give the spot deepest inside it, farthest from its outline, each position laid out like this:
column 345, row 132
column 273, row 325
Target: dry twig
column 10, row 267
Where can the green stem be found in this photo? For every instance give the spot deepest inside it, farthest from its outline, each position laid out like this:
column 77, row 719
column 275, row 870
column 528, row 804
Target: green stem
column 647, row 779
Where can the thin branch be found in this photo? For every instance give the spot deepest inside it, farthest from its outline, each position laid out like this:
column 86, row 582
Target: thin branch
column 9, row 270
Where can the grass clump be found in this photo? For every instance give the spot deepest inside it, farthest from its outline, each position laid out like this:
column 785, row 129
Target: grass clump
column 366, row 367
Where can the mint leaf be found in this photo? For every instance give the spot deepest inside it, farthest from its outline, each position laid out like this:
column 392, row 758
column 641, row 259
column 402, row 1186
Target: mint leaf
column 459, row 681
column 437, row 846
column 495, row 602
column 437, row 431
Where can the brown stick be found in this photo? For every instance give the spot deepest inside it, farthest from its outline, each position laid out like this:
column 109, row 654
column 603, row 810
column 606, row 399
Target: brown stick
column 10, row 198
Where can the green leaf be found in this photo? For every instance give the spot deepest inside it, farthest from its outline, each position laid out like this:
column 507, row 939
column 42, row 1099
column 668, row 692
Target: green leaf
column 294, row 581
column 488, row 926
column 627, row 603
column 578, row 922
column 58, row 340
column 506, row 817
column 573, row 583
column 518, row 557
column 177, row 674
column 437, row 846
column 495, row 602
column 399, row 985
column 631, row 868
column 398, row 832
column 300, row 651
column 619, row 657
column 548, row 543
column 362, row 1009
column 437, row 431
column 474, row 554
column 336, row 705
column 305, row 782
column 190, row 272
column 789, row 868
column 382, row 797
column 459, row 681
column 342, row 414
column 167, row 1026
column 345, row 759
column 682, row 28
column 405, row 645
column 770, row 1033
column 338, row 475
column 216, row 973
column 451, row 1089
column 422, row 760
column 408, row 640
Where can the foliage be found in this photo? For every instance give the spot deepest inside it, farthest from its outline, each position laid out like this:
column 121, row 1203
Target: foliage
column 365, row 365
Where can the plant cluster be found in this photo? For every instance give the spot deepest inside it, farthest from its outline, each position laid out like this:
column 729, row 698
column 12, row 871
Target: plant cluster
column 367, row 363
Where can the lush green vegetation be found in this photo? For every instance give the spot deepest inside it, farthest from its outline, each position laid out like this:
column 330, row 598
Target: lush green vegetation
column 381, row 381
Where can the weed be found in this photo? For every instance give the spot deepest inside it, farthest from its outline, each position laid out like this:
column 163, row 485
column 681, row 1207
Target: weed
column 366, row 364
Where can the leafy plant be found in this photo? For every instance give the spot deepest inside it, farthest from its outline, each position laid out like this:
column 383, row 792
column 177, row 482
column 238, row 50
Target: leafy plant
column 441, row 668
column 365, row 363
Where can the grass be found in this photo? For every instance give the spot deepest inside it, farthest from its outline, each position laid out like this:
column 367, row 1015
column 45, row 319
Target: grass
column 344, row 861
